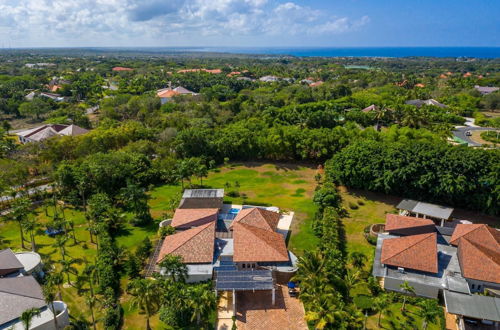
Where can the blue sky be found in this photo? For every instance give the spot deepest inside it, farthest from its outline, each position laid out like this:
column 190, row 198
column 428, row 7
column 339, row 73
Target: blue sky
column 251, row 23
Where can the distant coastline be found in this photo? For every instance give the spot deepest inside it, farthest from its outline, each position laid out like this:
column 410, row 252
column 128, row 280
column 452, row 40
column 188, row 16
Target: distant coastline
column 476, row 52
column 369, row 52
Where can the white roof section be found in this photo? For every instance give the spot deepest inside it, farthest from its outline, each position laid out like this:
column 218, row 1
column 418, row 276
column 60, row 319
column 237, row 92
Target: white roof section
column 203, row 193
column 431, row 210
column 29, row 260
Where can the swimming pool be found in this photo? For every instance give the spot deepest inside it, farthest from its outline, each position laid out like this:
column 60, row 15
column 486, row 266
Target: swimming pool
column 234, row 211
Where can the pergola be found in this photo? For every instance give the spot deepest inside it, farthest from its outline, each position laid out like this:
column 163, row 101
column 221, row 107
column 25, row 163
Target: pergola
column 229, row 279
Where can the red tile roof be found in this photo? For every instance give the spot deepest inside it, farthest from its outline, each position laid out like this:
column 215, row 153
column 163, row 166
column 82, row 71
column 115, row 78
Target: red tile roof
column 194, row 245
column 253, row 244
column 478, row 261
column 120, row 68
column 408, row 225
column 418, row 252
column 258, row 217
column 478, row 232
column 167, row 93
column 187, row 218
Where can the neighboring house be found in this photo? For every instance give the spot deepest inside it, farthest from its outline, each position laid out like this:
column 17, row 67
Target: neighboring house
column 52, row 96
column 486, row 90
column 419, row 103
column 316, row 83
column 202, row 199
column 370, row 108
column 20, row 291
column 44, row 132
column 240, row 248
column 453, row 262
column 213, row 71
column 166, row 94
column 409, row 207
column 269, row 79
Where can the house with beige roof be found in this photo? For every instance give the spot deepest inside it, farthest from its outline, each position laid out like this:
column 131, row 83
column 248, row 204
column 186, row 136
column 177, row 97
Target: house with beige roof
column 44, row 132
column 457, row 263
column 167, row 94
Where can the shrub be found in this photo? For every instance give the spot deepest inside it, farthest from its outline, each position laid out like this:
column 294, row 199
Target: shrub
column 363, row 302
column 361, row 202
column 233, row 193
column 353, row 206
column 165, row 231
column 144, row 249
column 113, row 316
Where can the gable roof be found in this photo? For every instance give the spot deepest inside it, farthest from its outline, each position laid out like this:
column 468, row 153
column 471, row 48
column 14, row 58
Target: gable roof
column 369, row 108
column 418, row 252
column 18, row 294
column 193, row 217
column 8, row 262
column 194, row 245
column 258, row 217
column 253, row 244
column 431, row 210
column 480, row 233
column 478, row 261
column 408, row 225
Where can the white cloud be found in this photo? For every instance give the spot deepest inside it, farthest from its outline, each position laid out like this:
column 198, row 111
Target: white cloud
column 94, row 22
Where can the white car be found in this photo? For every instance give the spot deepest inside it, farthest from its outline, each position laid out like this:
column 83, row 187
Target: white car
column 468, row 133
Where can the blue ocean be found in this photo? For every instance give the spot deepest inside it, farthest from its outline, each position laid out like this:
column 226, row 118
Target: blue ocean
column 477, row 52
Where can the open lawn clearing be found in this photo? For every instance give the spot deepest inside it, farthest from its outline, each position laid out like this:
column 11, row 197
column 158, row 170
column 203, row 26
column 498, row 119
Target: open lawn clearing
column 289, row 187
column 393, row 318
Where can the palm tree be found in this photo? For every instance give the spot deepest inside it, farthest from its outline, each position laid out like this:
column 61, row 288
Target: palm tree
column 357, row 259
column 20, row 210
column 31, row 225
column 428, row 312
column 351, row 280
column 56, row 279
column 28, row 315
column 407, row 289
column 60, row 243
column 327, row 313
column 68, row 268
column 50, row 296
column 380, row 304
column 174, row 267
column 90, row 301
column 144, row 296
column 201, row 301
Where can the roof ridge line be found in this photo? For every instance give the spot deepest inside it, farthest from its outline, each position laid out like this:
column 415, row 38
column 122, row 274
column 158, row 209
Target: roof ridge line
column 206, row 226
column 409, row 246
column 22, row 295
column 480, row 248
column 269, row 245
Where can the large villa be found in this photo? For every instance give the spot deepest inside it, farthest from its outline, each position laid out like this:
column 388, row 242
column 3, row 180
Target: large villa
column 20, row 291
column 460, row 265
column 239, row 247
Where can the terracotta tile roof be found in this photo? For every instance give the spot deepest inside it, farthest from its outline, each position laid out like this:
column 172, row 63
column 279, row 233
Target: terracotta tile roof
column 477, row 232
column 187, row 218
column 317, row 83
column 258, row 217
column 478, row 261
column 418, row 252
column 167, row 93
column 253, row 244
column 193, row 245
column 408, row 225
column 120, row 68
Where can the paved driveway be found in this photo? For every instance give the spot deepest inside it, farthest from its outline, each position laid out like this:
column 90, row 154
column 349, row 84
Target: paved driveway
column 254, row 311
column 460, row 133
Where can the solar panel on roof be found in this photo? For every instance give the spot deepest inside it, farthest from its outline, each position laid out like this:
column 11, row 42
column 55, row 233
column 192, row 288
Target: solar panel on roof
column 244, row 280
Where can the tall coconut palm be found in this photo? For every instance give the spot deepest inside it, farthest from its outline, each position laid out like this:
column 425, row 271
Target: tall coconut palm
column 56, row 279
column 50, row 296
column 28, row 315
column 90, row 301
column 67, row 267
column 380, row 304
column 60, row 244
column 357, row 259
column 174, row 267
column 429, row 310
column 145, row 296
column 31, row 225
column 201, row 301
column 351, row 280
column 407, row 289
column 21, row 208
column 327, row 312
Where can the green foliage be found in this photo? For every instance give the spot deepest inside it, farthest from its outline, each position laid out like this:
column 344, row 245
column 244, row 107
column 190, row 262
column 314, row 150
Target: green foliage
column 427, row 171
